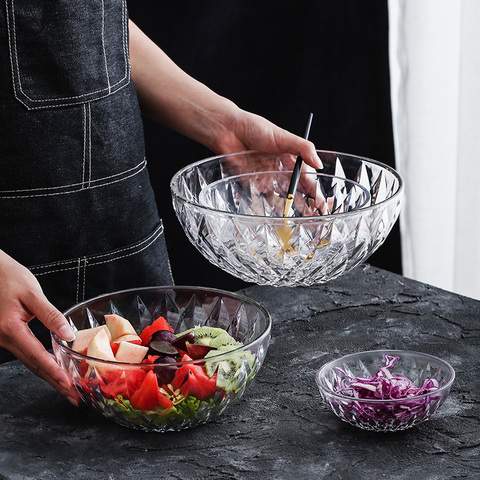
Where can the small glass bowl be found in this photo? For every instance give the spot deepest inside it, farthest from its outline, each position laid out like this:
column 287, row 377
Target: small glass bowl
column 385, row 415
column 183, row 307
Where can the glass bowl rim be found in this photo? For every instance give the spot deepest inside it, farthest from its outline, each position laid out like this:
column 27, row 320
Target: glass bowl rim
column 265, row 333
column 264, row 172
column 339, row 396
column 281, row 220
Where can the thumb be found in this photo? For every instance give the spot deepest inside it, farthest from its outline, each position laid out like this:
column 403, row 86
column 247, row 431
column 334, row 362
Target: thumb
column 310, row 155
column 300, row 146
column 50, row 316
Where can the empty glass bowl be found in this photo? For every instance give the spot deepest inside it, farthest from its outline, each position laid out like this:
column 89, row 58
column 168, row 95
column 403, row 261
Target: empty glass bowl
column 338, row 377
column 109, row 386
column 231, row 208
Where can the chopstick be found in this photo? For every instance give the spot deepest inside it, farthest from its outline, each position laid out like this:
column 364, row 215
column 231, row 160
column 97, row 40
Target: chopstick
column 296, row 173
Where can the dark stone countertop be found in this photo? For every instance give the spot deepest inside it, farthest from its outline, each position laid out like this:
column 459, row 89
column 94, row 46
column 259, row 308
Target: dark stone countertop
column 280, row 429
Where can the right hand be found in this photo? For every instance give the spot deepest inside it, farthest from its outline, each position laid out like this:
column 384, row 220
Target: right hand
column 314, row 203
column 22, row 299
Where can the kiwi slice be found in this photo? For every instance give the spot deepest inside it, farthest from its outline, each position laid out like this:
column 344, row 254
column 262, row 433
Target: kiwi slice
column 228, row 368
column 224, row 340
column 204, row 335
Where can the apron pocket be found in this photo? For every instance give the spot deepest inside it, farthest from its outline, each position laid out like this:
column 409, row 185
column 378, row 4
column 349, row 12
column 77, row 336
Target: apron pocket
column 65, row 52
column 143, row 263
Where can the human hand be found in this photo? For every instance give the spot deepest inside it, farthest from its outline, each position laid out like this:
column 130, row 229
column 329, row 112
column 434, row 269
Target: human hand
column 247, row 131
column 266, row 179
column 22, row 299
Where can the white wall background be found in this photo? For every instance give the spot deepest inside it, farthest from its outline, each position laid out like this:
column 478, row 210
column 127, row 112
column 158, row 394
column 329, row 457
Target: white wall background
column 435, row 87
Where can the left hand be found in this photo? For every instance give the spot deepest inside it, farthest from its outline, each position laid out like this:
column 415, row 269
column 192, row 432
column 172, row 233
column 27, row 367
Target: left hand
column 21, row 299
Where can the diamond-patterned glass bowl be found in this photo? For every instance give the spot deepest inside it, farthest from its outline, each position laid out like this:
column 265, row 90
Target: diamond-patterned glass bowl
column 183, row 308
column 231, row 208
column 385, row 415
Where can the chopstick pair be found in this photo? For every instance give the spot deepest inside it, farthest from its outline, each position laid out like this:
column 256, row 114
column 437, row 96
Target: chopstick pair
column 296, row 173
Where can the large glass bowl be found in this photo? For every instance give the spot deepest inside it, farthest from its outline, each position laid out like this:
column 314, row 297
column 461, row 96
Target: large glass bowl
column 231, row 208
column 384, row 415
column 183, row 308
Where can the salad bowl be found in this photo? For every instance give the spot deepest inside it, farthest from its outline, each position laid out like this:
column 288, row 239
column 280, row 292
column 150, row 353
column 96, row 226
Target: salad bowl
column 385, row 390
column 231, row 208
column 189, row 383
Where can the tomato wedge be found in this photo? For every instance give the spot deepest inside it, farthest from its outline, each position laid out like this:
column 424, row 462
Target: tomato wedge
column 159, row 324
column 148, row 396
column 150, row 358
column 124, row 383
column 193, row 380
column 83, row 365
column 134, row 379
column 114, row 385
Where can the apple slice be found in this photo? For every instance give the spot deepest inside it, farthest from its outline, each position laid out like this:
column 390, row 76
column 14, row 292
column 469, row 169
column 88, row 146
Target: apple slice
column 128, row 338
column 124, row 338
column 83, row 337
column 99, row 347
column 119, row 326
column 130, row 352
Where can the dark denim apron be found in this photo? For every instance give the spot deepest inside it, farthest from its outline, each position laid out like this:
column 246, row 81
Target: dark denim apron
column 76, row 205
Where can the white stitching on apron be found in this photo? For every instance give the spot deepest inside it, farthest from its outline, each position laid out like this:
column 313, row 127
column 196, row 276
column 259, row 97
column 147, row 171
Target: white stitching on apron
column 79, row 102
column 81, row 268
column 87, row 150
column 82, row 297
column 103, row 45
column 84, row 121
column 116, row 255
column 78, row 279
column 89, row 145
column 12, row 61
column 125, row 36
column 16, row 70
column 99, row 182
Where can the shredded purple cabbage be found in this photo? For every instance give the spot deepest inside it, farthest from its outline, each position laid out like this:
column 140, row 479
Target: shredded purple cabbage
column 385, row 386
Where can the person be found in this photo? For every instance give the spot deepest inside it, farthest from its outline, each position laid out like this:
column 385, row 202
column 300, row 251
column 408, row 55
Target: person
column 77, row 212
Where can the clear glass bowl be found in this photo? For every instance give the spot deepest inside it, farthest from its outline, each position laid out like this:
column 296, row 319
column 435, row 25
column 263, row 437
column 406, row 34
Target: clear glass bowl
column 385, row 415
column 183, row 307
column 231, row 209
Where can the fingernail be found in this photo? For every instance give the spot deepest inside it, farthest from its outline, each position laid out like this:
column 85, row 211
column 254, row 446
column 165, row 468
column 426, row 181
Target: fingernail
column 73, row 400
column 66, row 333
column 319, row 162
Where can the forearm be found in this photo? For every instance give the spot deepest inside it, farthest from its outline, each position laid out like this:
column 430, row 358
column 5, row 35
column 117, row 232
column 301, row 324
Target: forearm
column 170, row 96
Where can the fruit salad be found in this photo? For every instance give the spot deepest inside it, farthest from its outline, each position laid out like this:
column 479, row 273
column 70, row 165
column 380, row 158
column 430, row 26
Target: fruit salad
column 174, row 374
